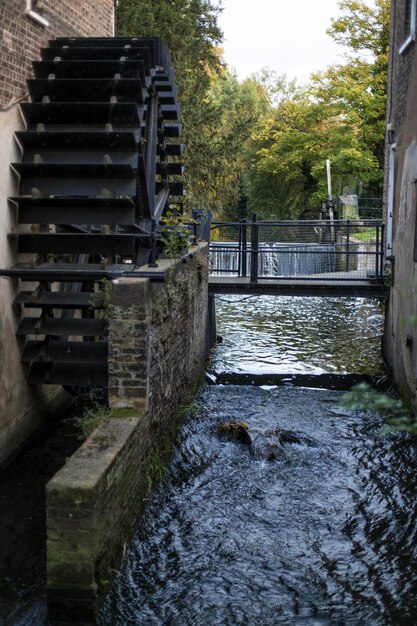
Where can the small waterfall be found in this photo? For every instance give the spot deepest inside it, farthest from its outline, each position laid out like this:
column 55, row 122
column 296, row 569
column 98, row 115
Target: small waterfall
column 276, row 259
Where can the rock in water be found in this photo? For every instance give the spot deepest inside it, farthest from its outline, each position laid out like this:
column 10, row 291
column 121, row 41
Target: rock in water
column 266, row 445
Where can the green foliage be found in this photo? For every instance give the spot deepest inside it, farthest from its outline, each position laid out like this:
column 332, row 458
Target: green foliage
column 90, row 419
column 188, row 410
column 339, row 116
column 232, row 109
column 176, row 234
column 101, row 298
column 364, row 397
column 279, row 87
column 155, row 469
column 190, row 30
column 261, row 144
column 362, row 28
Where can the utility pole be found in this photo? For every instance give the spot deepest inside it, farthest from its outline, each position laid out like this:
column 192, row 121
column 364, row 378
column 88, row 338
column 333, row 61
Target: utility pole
column 330, row 201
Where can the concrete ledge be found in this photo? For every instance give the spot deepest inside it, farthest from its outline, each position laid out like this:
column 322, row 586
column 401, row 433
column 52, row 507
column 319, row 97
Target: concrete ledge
column 92, row 505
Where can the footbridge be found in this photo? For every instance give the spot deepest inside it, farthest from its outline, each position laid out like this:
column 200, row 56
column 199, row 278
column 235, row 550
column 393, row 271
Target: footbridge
column 299, row 258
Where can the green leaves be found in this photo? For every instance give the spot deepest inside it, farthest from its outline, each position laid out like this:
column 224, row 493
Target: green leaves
column 261, row 144
column 190, row 30
column 365, row 398
column 339, row 116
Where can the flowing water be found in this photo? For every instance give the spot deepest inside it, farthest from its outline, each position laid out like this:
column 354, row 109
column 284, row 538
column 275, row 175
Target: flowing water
column 325, row 536
column 299, row 335
column 276, row 259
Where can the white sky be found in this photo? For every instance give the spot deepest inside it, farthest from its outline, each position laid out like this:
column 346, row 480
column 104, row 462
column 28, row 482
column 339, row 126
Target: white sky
column 288, row 36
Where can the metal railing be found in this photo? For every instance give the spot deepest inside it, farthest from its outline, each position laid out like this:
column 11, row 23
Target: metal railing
column 370, row 208
column 340, row 250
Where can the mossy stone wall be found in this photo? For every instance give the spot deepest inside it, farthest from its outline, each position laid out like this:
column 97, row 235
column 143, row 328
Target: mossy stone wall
column 157, row 353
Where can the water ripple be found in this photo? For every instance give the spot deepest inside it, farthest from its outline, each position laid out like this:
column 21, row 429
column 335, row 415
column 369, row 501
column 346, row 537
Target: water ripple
column 325, row 537
column 299, row 335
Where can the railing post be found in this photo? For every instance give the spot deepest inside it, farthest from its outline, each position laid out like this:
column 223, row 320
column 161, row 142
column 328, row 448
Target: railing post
column 254, row 249
column 152, row 259
column 347, row 245
column 380, row 251
column 194, row 217
column 244, row 241
column 376, row 251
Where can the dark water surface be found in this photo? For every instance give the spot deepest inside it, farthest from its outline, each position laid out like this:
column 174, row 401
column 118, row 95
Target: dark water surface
column 23, row 522
column 326, row 536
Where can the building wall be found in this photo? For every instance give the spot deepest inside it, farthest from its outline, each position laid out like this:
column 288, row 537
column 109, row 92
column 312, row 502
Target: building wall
column 21, row 37
column 400, row 338
column 23, row 408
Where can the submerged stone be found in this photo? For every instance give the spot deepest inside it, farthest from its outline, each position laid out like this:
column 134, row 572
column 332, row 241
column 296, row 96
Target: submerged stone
column 266, row 445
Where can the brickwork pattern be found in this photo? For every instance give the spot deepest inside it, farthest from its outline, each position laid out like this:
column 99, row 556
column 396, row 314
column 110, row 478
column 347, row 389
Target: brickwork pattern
column 157, row 353
column 400, row 68
column 129, row 344
column 21, row 38
column 157, row 337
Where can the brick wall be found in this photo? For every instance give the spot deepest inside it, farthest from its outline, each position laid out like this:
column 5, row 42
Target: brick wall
column 157, row 335
column 400, row 67
column 21, row 38
column 157, row 353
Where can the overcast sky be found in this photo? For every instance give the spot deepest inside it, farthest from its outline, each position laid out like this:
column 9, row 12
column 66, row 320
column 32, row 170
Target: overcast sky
column 288, row 36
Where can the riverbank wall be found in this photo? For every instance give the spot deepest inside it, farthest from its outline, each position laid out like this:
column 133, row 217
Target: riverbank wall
column 157, row 355
column 400, row 335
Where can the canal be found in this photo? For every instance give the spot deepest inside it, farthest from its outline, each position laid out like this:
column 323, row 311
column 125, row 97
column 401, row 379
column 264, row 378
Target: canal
column 326, row 535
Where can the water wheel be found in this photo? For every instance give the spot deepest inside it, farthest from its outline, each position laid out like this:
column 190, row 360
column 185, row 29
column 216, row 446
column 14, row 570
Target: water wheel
column 99, row 168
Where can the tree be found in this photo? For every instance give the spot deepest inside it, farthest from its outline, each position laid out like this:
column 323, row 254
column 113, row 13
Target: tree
column 357, row 89
column 190, row 30
column 340, row 116
column 280, row 161
column 232, row 110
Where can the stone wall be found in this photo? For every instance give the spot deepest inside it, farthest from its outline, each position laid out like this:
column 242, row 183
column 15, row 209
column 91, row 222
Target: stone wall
column 400, row 336
column 157, row 354
column 88, row 503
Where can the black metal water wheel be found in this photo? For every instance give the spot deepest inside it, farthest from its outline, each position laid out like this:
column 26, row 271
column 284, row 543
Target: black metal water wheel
column 98, row 170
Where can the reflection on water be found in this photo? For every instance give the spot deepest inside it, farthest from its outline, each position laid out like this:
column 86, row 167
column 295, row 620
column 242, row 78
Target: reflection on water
column 298, row 335
column 327, row 536
column 23, row 522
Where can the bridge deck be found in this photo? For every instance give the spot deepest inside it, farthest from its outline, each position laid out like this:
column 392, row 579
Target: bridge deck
column 297, row 287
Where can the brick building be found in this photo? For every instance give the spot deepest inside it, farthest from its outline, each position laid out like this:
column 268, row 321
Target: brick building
column 400, row 340
column 25, row 27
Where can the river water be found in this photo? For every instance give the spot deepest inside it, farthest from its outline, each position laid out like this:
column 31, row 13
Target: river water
column 325, row 536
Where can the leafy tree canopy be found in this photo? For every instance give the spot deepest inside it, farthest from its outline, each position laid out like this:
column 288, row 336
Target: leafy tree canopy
column 261, row 144
column 339, row 116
